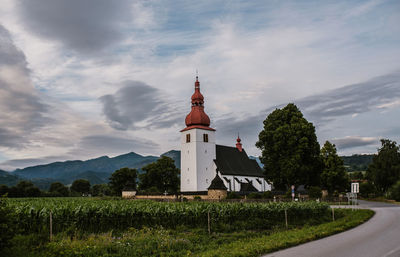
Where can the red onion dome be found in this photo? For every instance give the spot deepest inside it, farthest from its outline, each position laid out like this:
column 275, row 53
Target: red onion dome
column 197, row 116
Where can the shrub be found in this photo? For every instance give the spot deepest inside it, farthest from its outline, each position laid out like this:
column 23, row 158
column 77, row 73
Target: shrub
column 367, row 189
column 7, row 223
column 254, row 196
column 233, row 195
column 197, row 198
column 314, row 192
column 394, row 191
column 267, row 195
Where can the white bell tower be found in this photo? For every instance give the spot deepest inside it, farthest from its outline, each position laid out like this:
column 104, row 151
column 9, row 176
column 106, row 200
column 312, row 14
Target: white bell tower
column 197, row 147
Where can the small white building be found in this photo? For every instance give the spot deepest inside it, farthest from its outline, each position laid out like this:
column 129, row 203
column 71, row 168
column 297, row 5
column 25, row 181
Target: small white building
column 201, row 158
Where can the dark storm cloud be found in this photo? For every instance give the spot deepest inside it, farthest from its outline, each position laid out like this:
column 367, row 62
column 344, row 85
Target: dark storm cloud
column 83, row 25
column 21, row 110
column 136, row 102
column 350, row 142
column 114, row 143
column 322, row 108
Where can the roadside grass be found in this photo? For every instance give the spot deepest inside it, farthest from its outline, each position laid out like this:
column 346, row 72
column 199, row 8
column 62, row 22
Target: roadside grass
column 285, row 239
column 382, row 199
column 182, row 241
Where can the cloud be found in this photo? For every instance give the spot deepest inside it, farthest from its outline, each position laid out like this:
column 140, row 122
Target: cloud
column 116, row 143
column 354, row 141
column 322, row 109
column 22, row 110
column 12, row 164
column 86, row 26
column 379, row 92
column 136, row 103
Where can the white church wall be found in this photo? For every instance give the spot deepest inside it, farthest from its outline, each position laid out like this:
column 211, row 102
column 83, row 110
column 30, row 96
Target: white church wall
column 235, row 185
column 197, row 160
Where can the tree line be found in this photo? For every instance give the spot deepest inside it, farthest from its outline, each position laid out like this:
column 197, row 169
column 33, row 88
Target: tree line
column 160, row 176
column 292, row 155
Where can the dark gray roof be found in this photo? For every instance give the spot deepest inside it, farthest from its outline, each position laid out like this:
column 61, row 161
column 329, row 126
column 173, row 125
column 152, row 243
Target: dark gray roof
column 247, row 187
column 217, row 184
column 230, row 161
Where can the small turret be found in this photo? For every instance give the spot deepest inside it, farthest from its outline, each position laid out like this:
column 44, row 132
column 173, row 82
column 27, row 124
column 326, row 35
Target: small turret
column 238, row 144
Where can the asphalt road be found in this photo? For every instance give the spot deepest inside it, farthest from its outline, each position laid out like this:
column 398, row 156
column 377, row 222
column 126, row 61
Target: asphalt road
column 378, row 237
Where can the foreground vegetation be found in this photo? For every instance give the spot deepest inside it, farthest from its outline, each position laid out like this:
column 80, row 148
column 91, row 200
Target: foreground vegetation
column 100, row 215
column 181, row 241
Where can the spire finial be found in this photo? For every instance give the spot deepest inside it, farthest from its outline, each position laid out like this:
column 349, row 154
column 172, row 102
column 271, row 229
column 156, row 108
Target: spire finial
column 238, row 144
column 197, row 75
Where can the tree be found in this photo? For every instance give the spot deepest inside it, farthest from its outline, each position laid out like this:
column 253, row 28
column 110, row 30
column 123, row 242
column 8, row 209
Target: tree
column 367, row 189
column 3, row 190
column 25, row 189
column 162, row 174
column 314, row 192
column 101, row 190
column 334, row 175
column 290, row 150
column 81, row 186
column 58, row 189
column 357, row 175
column 120, row 178
column 384, row 170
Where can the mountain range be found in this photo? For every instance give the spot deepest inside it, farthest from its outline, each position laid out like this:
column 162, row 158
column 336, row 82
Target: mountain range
column 98, row 170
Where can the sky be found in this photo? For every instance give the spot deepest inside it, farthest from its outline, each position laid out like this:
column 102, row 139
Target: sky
column 81, row 79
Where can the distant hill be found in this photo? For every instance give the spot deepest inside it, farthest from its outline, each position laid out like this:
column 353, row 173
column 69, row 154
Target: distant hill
column 8, row 179
column 70, row 169
column 357, row 162
column 175, row 155
column 97, row 170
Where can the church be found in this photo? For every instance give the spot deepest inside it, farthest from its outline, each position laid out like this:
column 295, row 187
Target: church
column 204, row 164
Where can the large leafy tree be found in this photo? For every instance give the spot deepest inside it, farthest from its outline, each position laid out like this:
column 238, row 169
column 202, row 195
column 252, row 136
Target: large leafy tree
column 81, row 186
column 122, row 177
column 290, row 150
column 384, row 170
column 58, row 189
column 334, row 175
column 25, row 189
column 101, row 190
column 162, row 175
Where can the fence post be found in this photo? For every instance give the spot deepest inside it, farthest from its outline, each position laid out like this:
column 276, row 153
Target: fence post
column 286, row 219
column 51, row 226
column 209, row 225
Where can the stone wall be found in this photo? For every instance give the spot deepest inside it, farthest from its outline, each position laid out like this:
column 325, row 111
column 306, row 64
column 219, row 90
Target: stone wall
column 217, row 194
column 128, row 194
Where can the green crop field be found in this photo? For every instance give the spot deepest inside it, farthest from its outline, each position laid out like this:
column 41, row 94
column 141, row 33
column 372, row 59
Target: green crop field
column 100, row 215
column 115, row 227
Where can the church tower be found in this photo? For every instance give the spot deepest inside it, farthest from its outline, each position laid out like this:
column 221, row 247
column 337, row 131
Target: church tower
column 197, row 147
